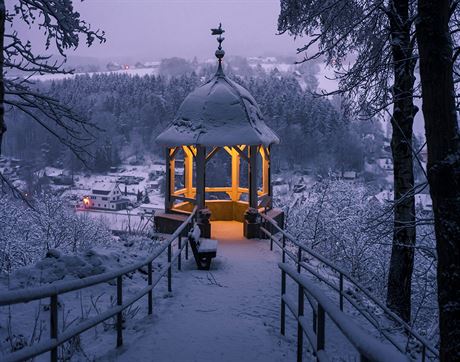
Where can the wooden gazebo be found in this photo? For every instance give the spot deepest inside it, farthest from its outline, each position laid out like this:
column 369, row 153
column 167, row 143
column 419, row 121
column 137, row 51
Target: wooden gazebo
column 220, row 116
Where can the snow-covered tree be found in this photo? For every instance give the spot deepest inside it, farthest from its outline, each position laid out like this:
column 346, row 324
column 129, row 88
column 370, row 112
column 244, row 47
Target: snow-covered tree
column 443, row 142
column 62, row 27
column 376, row 38
column 29, row 233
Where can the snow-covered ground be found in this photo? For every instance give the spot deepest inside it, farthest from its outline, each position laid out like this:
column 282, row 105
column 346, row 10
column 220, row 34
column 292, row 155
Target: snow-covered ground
column 132, row 72
column 122, row 220
column 230, row 313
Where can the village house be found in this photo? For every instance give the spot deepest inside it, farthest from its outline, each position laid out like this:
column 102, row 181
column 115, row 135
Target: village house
column 105, row 196
column 422, row 201
column 385, row 163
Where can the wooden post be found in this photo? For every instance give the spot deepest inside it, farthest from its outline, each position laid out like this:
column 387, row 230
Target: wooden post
column 168, row 181
column 188, row 172
column 265, row 170
column 172, row 171
column 150, row 297
column 120, row 313
column 235, row 174
column 54, row 325
column 200, row 176
column 269, row 173
column 253, row 150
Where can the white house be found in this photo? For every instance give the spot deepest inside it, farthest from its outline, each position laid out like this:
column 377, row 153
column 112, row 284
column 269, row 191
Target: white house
column 422, row 201
column 106, row 196
column 349, row 175
column 385, row 163
column 149, row 209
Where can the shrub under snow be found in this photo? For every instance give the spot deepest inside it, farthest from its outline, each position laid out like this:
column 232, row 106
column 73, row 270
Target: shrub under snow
column 28, row 233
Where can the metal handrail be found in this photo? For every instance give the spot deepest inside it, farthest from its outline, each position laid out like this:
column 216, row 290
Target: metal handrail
column 368, row 347
column 53, row 291
column 426, row 346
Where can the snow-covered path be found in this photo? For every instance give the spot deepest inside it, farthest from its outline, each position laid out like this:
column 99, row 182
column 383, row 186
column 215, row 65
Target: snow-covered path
column 230, row 313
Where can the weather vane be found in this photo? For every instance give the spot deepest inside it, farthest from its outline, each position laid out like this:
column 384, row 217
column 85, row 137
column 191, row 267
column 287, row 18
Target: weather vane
column 219, row 31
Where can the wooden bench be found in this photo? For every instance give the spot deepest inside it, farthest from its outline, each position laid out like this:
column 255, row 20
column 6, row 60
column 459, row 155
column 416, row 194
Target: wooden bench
column 204, row 250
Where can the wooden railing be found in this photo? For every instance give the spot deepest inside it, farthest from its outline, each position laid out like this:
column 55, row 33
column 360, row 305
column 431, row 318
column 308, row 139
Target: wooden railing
column 294, row 251
column 53, row 291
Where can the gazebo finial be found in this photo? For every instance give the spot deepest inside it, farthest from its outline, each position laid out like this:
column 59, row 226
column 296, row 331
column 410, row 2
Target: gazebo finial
column 219, row 52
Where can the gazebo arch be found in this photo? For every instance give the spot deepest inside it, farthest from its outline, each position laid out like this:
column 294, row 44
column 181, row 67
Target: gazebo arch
column 218, row 116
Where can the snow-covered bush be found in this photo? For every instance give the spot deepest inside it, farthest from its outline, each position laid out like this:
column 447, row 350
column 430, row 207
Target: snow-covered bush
column 333, row 218
column 346, row 224
column 28, row 233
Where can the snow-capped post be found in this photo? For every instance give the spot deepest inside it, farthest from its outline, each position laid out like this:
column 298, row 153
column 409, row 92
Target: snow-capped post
column 203, row 217
column 218, row 117
column 251, row 223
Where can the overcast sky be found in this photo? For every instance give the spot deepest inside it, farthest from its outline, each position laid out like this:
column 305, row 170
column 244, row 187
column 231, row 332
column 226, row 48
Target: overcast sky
column 164, row 28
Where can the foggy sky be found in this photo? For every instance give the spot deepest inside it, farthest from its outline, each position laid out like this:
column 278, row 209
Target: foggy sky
column 164, row 28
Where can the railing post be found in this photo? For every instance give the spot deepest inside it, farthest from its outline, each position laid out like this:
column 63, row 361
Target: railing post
column 300, row 311
column 54, row 325
column 283, row 305
column 341, row 291
column 120, row 313
column 320, row 330
column 283, row 258
column 169, row 269
column 150, row 297
column 186, row 250
column 299, row 259
column 314, row 320
column 179, row 259
column 271, row 242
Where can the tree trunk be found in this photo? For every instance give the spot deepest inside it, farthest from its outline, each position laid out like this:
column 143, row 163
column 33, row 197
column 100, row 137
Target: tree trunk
column 2, row 86
column 442, row 135
column 402, row 256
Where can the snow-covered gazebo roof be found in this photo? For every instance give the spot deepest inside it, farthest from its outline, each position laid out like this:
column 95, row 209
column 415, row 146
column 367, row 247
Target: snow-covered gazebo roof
column 218, row 113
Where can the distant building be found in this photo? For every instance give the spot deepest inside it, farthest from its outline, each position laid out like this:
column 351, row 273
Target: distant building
column 106, row 197
column 422, row 201
column 385, row 163
column 423, row 155
column 349, row 175
column 112, row 66
column 148, row 209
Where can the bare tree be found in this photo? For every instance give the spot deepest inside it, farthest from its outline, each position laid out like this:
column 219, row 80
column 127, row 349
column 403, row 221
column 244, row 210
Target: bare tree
column 376, row 38
column 62, row 27
column 443, row 143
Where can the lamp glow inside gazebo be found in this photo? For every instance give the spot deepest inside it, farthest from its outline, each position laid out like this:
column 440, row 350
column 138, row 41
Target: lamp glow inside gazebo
column 218, row 124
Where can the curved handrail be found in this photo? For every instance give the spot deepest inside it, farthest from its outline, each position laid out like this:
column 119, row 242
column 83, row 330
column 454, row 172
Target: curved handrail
column 345, row 274
column 56, row 289
column 23, row 296
column 367, row 346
